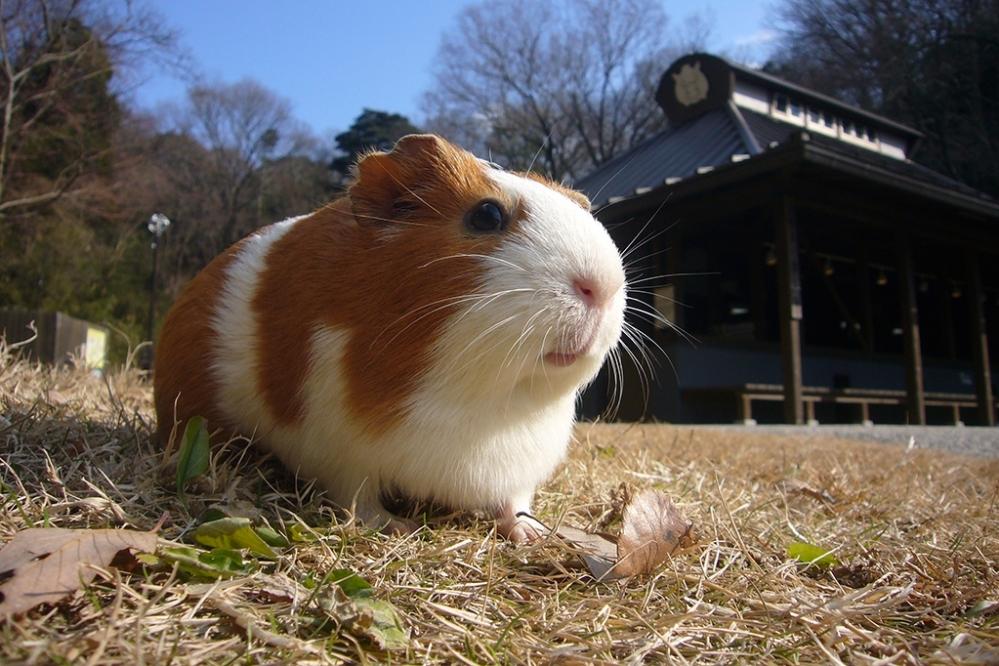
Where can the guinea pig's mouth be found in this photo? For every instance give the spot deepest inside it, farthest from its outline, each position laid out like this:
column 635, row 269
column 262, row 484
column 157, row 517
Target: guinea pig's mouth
column 563, row 359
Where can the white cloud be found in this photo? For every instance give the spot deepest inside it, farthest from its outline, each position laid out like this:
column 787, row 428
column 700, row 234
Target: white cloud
column 759, row 38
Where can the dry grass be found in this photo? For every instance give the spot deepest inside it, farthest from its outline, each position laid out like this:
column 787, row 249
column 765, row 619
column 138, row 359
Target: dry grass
column 916, row 533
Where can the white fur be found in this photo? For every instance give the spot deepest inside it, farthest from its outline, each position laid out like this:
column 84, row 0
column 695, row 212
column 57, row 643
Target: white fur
column 235, row 327
column 491, row 419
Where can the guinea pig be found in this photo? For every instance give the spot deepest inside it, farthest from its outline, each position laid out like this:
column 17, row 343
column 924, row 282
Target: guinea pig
column 427, row 333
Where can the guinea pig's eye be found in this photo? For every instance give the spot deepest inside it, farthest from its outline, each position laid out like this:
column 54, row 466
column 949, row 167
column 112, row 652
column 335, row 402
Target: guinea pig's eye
column 486, row 217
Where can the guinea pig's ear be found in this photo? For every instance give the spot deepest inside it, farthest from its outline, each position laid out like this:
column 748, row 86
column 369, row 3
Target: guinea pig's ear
column 423, row 149
column 578, row 197
column 383, row 182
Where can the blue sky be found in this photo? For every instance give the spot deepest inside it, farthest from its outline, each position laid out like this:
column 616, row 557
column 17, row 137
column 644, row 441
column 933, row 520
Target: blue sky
column 332, row 58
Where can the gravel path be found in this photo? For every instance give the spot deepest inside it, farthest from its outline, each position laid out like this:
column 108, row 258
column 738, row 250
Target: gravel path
column 969, row 440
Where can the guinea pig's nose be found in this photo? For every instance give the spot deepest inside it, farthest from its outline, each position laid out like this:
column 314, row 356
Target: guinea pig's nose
column 593, row 292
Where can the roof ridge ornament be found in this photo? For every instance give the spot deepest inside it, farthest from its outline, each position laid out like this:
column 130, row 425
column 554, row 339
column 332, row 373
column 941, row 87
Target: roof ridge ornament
column 690, row 84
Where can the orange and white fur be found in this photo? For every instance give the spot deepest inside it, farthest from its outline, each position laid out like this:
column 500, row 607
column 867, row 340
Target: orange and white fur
column 426, row 333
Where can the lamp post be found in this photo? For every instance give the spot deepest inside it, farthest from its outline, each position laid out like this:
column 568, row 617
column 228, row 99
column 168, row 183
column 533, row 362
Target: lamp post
column 157, row 226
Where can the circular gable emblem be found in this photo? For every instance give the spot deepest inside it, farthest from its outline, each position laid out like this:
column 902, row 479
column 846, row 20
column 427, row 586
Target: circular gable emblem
column 690, row 85
column 694, row 85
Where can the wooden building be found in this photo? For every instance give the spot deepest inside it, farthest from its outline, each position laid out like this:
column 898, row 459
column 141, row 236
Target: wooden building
column 824, row 274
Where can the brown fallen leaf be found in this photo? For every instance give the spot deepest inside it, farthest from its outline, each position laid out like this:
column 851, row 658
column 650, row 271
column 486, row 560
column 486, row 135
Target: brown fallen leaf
column 45, row 564
column 794, row 486
column 597, row 551
column 652, row 530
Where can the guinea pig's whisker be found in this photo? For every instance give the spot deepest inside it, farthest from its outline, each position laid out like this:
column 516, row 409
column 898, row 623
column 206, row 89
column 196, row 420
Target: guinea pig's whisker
column 642, row 378
column 638, row 337
column 612, row 179
column 670, row 275
column 645, row 257
column 390, row 221
column 511, row 354
column 483, row 334
column 631, row 247
column 642, row 309
column 648, row 239
column 525, row 332
column 544, row 142
column 441, row 304
column 646, row 337
column 535, row 358
column 539, row 358
column 612, row 384
column 649, row 292
column 617, row 395
column 477, row 256
column 487, row 300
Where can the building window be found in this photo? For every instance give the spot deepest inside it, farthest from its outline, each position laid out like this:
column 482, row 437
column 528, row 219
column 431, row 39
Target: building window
column 780, row 103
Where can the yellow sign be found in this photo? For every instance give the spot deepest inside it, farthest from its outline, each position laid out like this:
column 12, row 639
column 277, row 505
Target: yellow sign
column 96, row 352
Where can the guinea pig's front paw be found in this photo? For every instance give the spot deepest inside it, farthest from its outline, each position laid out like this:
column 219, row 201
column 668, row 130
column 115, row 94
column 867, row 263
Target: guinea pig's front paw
column 520, row 528
column 400, row 526
column 521, row 532
column 373, row 515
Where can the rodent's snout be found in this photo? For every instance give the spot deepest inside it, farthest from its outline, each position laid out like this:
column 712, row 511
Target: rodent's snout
column 596, row 291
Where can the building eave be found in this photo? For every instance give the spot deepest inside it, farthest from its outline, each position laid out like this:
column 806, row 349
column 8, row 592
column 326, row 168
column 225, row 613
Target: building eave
column 796, row 151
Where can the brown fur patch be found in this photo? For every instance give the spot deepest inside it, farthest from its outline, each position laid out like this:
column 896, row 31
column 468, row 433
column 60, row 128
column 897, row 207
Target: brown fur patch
column 184, row 352
column 575, row 195
column 377, row 263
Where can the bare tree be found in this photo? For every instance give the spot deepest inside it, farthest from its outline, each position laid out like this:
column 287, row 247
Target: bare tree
column 57, row 59
column 239, row 126
column 931, row 63
column 564, row 86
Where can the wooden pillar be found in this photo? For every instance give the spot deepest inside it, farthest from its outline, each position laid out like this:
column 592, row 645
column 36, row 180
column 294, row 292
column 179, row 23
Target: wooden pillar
column 910, row 329
column 979, row 341
column 866, row 300
column 789, row 288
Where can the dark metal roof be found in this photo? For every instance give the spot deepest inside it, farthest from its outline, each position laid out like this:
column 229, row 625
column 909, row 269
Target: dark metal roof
column 677, row 152
column 766, row 130
column 713, row 139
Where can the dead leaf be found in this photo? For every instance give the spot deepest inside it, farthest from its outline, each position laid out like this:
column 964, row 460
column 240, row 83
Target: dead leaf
column 45, row 564
column 598, row 552
column 794, row 486
column 652, row 530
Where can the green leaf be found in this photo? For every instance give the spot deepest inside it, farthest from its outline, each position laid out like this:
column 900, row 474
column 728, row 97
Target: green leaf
column 233, row 533
column 811, row 554
column 301, row 534
column 217, row 563
column 386, row 629
column 271, row 537
column 194, row 452
column 374, row 619
column 353, row 585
